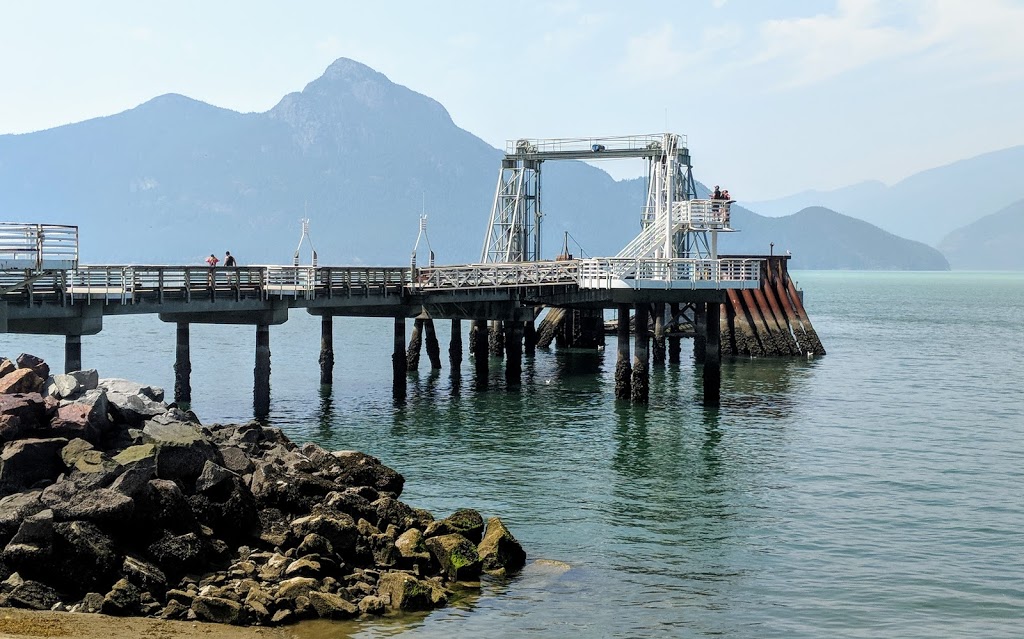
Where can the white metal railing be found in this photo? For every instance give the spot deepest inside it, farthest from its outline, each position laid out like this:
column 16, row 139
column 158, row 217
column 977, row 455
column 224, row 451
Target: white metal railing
column 687, row 215
column 623, row 272
column 572, row 145
column 38, row 247
column 497, row 274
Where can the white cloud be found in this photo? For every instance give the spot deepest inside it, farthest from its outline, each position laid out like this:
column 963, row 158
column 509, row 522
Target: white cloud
column 981, row 35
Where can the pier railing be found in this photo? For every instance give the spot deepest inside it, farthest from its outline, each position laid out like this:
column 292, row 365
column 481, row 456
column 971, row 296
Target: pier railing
column 624, row 272
column 38, row 247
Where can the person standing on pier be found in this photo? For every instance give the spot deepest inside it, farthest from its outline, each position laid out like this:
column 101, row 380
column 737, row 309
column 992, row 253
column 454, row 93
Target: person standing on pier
column 229, row 260
column 212, row 261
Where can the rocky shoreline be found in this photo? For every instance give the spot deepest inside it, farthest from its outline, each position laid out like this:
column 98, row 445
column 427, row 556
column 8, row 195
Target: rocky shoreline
column 111, row 501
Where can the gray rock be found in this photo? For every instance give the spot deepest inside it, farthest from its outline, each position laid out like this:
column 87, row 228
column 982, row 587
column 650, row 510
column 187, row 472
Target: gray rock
column 34, row 596
column 236, row 460
column 218, row 610
column 99, row 505
column 84, row 557
column 28, row 408
column 63, row 386
column 145, row 575
column 499, row 551
column 15, row 508
column 406, row 592
column 35, row 364
column 33, row 543
column 122, row 600
column 127, row 387
column 182, row 450
column 212, row 476
column 466, row 522
column 88, row 379
column 456, row 555
column 372, row 605
column 290, row 589
column 28, row 461
column 331, row 606
column 360, row 469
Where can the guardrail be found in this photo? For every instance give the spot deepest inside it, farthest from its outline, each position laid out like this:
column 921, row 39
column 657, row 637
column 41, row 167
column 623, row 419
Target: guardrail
column 623, row 272
column 38, row 247
column 497, row 275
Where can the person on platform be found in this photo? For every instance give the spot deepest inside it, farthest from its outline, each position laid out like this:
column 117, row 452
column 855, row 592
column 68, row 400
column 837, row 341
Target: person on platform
column 212, row 261
column 229, row 261
column 726, row 196
column 717, row 195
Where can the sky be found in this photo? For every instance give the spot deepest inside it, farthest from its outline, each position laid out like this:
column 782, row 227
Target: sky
column 774, row 97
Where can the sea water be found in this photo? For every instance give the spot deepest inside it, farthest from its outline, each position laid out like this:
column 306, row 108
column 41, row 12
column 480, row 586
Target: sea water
column 875, row 491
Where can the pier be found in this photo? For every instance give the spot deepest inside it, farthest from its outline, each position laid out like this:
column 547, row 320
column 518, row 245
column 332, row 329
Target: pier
column 670, row 272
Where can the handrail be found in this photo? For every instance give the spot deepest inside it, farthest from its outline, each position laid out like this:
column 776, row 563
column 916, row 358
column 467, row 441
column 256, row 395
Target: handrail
column 38, row 247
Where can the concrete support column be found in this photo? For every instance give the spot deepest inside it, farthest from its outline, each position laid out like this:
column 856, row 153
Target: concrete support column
column 658, row 346
column 641, row 365
column 513, row 354
column 623, row 368
column 261, row 374
column 399, row 366
column 72, row 353
column 182, row 366
column 412, row 354
column 713, row 357
column 433, row 348
column 496, row 340
column 480, row 355
column 327, row 350
column 700, row 331
column 455, row 346
column 673, row 342
column 529, row 338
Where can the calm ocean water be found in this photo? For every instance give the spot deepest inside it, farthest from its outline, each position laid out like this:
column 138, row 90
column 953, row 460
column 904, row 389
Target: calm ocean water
column 872, row 492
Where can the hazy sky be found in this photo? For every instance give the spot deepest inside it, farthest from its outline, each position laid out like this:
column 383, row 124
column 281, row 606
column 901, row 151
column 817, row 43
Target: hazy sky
column 776, row 97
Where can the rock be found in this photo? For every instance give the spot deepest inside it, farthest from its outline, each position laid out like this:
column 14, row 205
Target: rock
column 145, row 575
column 290, row 589
column 135, row 480
column 456, row 555
column 92, row 602
column 406, row 592
column 499, row 551
column 25, row 462
column 218, row 610
column 33, row 543
column 182, row 450
column 126, row 387
column 163, row 505
column 372, row 605
column 98, row 505
column 314, row 544
column 36, row 365
column 338, row 529
column 174, row 610
column 88, row 379
column 280, row 617
column 15, row 508
column 274, row 567
column 303, row 567
column 351, row 503
column 360, row 469
column 122, row 600
column 6, row 366
column 63, row 386
column 212, row 476
column 139, row 454
column 466, row 522
column 236, row 460
column 390, row 511
column 178, row 554
column 23, row 380
column 12, row 427
column 228, row 508
column 331, row 606
column 29, row 408
column 382, row 545
column 84, row 557
column 34, row 596
column 90, row 468
column 85, row 418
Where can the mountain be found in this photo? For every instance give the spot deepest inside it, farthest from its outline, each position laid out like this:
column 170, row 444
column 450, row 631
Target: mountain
column 175, row 179
column 819, row 238
column 993, row 243
column 927, row 205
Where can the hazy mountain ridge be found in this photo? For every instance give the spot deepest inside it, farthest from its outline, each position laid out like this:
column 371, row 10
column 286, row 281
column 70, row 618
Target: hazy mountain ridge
column 992, row 243
column 927, row 205
column 175, row 179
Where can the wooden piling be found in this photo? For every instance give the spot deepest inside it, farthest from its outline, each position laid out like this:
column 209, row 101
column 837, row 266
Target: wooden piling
column 640, row 379
column 412, row 353
column 480, row 355
column 433, row 348
column 496, row 339
column 529, row 338
column 550, row 326
column 700, row 331
column 712, row 361
column 327, row 350
column 399, row 364
column 623, row 368
column 261, row 372
column 455, row 347
column 674, row 347
column 658, row 343
column 182, row 365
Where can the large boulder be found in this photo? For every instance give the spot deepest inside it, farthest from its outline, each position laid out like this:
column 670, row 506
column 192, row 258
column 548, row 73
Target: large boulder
column 32, row 545
column 456, row 555
column 90, row 468
column 360, row 469
column 121, row 387
column 35, row 364
column 23, row 380
column 6, row 366
column 499, row 551
column 84, row 558
column 162, row 505
column 406, row 592
column 331, row 606
column 134, row 403
column 466, row 522
column 101, row 505
column 15, row 508
column 28, row 408
column 25, row 462
column 218, row 610
column 33, row 595
column 72, row 384
column 181, row 450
